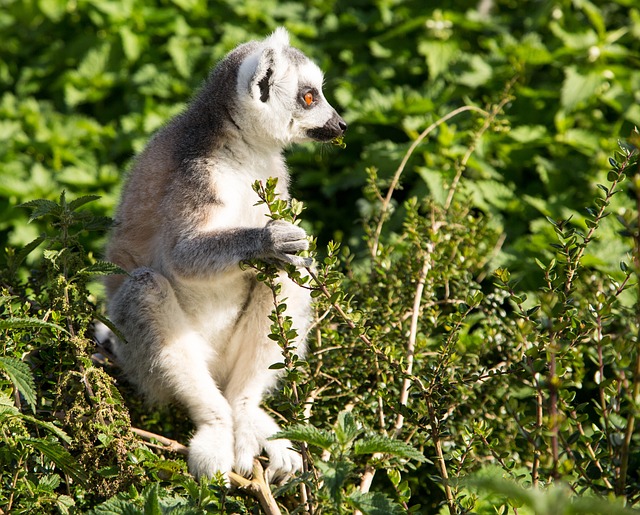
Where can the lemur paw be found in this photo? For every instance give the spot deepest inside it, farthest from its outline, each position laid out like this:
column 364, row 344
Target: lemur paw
column 210, row 453
column 283, row 241
column 247, row 447
column 284, row 461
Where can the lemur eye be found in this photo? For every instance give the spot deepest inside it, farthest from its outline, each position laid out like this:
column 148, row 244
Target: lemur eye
column 308, row 98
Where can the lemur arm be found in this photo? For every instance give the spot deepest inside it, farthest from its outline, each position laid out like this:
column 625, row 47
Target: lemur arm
column 203, row 254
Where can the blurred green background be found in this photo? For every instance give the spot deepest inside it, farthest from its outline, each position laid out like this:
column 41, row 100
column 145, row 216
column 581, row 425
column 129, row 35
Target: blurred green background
column 84, row 84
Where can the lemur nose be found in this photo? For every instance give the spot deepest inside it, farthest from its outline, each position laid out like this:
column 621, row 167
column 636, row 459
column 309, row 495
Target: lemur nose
column 343, row 125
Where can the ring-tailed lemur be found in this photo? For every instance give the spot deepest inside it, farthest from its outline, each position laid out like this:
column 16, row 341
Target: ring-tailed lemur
column 195, row 322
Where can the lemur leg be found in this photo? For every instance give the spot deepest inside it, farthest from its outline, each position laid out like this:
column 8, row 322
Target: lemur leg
column 169, row 361
column 251, row 353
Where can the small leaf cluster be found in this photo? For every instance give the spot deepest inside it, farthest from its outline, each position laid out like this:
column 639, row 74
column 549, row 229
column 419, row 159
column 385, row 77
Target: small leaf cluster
column 340, row 445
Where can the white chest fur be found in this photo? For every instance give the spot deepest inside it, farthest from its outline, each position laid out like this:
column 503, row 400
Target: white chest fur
column 236, row 200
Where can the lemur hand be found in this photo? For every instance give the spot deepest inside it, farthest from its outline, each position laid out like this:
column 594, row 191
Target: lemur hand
column 283, row 240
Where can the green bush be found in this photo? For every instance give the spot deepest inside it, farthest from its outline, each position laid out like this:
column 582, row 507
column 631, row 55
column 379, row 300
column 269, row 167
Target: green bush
column 476, row 343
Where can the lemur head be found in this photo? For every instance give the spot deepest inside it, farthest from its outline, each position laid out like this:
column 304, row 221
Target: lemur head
column 279, row 94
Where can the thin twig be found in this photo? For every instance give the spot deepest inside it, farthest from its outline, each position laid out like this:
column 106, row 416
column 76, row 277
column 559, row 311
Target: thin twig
column 489, row 118
column 411, row 343
column 440, row 461
column 396, row 178
column 165, row 443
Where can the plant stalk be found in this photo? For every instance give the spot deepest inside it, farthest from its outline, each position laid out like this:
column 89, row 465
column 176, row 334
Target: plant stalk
column 635, row 390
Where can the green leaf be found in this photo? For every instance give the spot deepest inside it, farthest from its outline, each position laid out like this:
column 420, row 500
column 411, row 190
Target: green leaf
column 64, row 503
column 102, row 268
column 22, row 254
column 374, row 503
column 385, row 445
column 334, row 475
column 439, row 56
column 478, row 72
column 594, row 15
column 152, row 503
column 178, row 50
column 53, row 9
column 529, row 133
column 7, row 407
column 21, row 376
column 577, row 87
column 50, row 482
column 81, row 201
column 308, row 434
column 116, row 506
column 60, row 456
column 95, row 61
column 52, row 428
column 346, row 429
column 130, row 43
column 40, row 208
column 25, row 323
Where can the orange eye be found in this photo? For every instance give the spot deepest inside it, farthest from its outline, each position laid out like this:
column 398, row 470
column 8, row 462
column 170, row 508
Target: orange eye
column 308, row 98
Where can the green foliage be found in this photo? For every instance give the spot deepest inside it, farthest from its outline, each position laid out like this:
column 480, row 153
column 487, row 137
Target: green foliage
column 340, row 447
column 193, row 499
column 475, row 272
column 76, row 432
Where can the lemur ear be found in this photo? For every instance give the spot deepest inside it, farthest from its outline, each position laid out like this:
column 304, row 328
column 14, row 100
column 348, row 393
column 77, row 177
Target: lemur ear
column 259, row 71
column 264, row 71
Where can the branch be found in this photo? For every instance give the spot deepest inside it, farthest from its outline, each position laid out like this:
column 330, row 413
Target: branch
column 394, row 182
column 166, row 444
column 258, row 486
column 411, row 344
column 489, row 118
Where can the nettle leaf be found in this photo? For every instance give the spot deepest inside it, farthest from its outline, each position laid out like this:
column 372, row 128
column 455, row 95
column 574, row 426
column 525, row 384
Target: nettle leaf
column 22, row 254
column 475, row 73
column 374, row 503
column 64, row 503
column 81, row 201
column 529, row 134
column 40, row 207
column 439, row 55
column 21, row 376
column 95, row 61
column 102, row 268
column 60, row 456
column 308, row 434
column 7, row 407
column 28, row 322
column 178, row 48
column 347, row 429
column 385, row 445
column 152, row 502
column 130, row 43
column 115, row 506
column 334, row 475
column 52, row 428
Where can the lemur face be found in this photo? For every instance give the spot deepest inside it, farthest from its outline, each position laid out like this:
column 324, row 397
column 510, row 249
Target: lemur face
column 286, row 97
column 314, row 115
